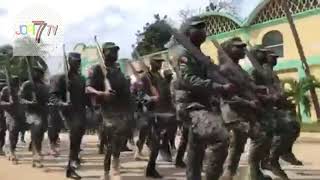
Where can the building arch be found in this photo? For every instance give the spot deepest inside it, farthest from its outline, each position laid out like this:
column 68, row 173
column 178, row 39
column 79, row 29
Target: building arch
column 217, row 23
column 269, row 10
column 273, row 40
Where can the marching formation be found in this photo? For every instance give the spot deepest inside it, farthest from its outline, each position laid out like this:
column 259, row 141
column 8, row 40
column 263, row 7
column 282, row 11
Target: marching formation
column 217, row 108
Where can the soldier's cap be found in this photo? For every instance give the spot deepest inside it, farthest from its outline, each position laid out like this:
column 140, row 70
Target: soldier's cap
column 15, row 78
column 193, row 22
column 274, row 54
column 140, row 71
column 157, row 59
column 167, row 72
column 110, row 45
column 5, row 48
column 38, row 69
column 236, row 41
column 260, row 48
column 74, row 56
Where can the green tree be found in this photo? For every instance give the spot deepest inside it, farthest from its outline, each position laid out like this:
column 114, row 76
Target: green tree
column 153, row 37
column 17, row 64
column 298, row 93
column 227, row 6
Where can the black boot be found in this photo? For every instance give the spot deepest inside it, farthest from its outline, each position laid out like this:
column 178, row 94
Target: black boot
column 278, row 171
column 71, row 173
column 152, row 172
column 101, row 149
column 291, row 158
column 30, row 147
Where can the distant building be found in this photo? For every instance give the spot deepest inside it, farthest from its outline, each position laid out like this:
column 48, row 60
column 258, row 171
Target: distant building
column 268, row 25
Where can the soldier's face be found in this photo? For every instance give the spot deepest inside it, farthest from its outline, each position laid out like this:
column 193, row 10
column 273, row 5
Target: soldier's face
column 111, row 54
column 197, row 36
column 261, row 56
column 156, row 65
column 37, row 75
column 75, row 65
column 272, row 60
column 238, row 52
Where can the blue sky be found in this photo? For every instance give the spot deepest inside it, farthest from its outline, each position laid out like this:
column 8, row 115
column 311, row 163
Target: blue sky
column 111, row 20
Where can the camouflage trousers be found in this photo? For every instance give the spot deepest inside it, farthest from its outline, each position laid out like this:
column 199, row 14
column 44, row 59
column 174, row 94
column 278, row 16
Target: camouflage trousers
column 287, row 130
column 115, row 128
column 3, row 129
column 14, row 126
column 243, row 126
column 38, row 125
column 206, row 131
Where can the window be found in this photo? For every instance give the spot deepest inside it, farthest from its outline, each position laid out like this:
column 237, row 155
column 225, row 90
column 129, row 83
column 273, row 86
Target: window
column 273, row 40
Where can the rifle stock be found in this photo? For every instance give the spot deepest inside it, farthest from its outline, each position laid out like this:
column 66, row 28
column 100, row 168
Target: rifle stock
column 102, row 65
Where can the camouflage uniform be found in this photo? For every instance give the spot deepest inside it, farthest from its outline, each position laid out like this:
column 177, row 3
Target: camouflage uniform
column 206, row 125
column 286, row 128
column 180, row 104
column 115, row 111
column 242, row 118
column 36, row 112
column 5, row 54
column 3, row 127
column 14, row 114
column 75, row 113
column 160, row 117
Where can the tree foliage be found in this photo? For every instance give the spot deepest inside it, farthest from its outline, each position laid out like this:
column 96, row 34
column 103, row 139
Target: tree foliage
column 227, row 6
column 153, row 37
column 298, row 92
column 17, row 65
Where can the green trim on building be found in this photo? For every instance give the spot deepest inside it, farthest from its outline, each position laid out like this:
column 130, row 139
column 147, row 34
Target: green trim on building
column 235, row 19
column 282, row 20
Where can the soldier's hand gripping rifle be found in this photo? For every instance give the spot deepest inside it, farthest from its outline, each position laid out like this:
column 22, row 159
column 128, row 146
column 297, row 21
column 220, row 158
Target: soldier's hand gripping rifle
column 103, row 67
column 66, row 72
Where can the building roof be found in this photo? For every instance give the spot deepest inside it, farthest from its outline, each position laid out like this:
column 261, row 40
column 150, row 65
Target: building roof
column 265, row 11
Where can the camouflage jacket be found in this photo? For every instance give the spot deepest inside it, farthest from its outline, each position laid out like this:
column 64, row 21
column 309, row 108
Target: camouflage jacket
column 123, row 101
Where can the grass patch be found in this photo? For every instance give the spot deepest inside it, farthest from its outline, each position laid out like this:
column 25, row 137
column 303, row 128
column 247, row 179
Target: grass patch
column 310, row 127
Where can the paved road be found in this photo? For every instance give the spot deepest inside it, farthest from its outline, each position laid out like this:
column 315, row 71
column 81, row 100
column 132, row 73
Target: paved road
column 307, row 149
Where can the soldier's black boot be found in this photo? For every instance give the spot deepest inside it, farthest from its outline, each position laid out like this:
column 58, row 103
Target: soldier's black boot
column 30, row 147
column 291, row 158
column 278, row 171
column 71, row 172
column 179, row 159
column 152, row 172
column 101, row 148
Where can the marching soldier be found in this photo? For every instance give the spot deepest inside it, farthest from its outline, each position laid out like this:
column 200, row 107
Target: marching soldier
column 162, row 116
column 284, row 130
column 36, row 111
column 287, row 112
column 244, row 109
column 206, row 126
column 73, row 111
column 5, row 54
column 116, row 106
column 3, row 127
column 14, row 114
